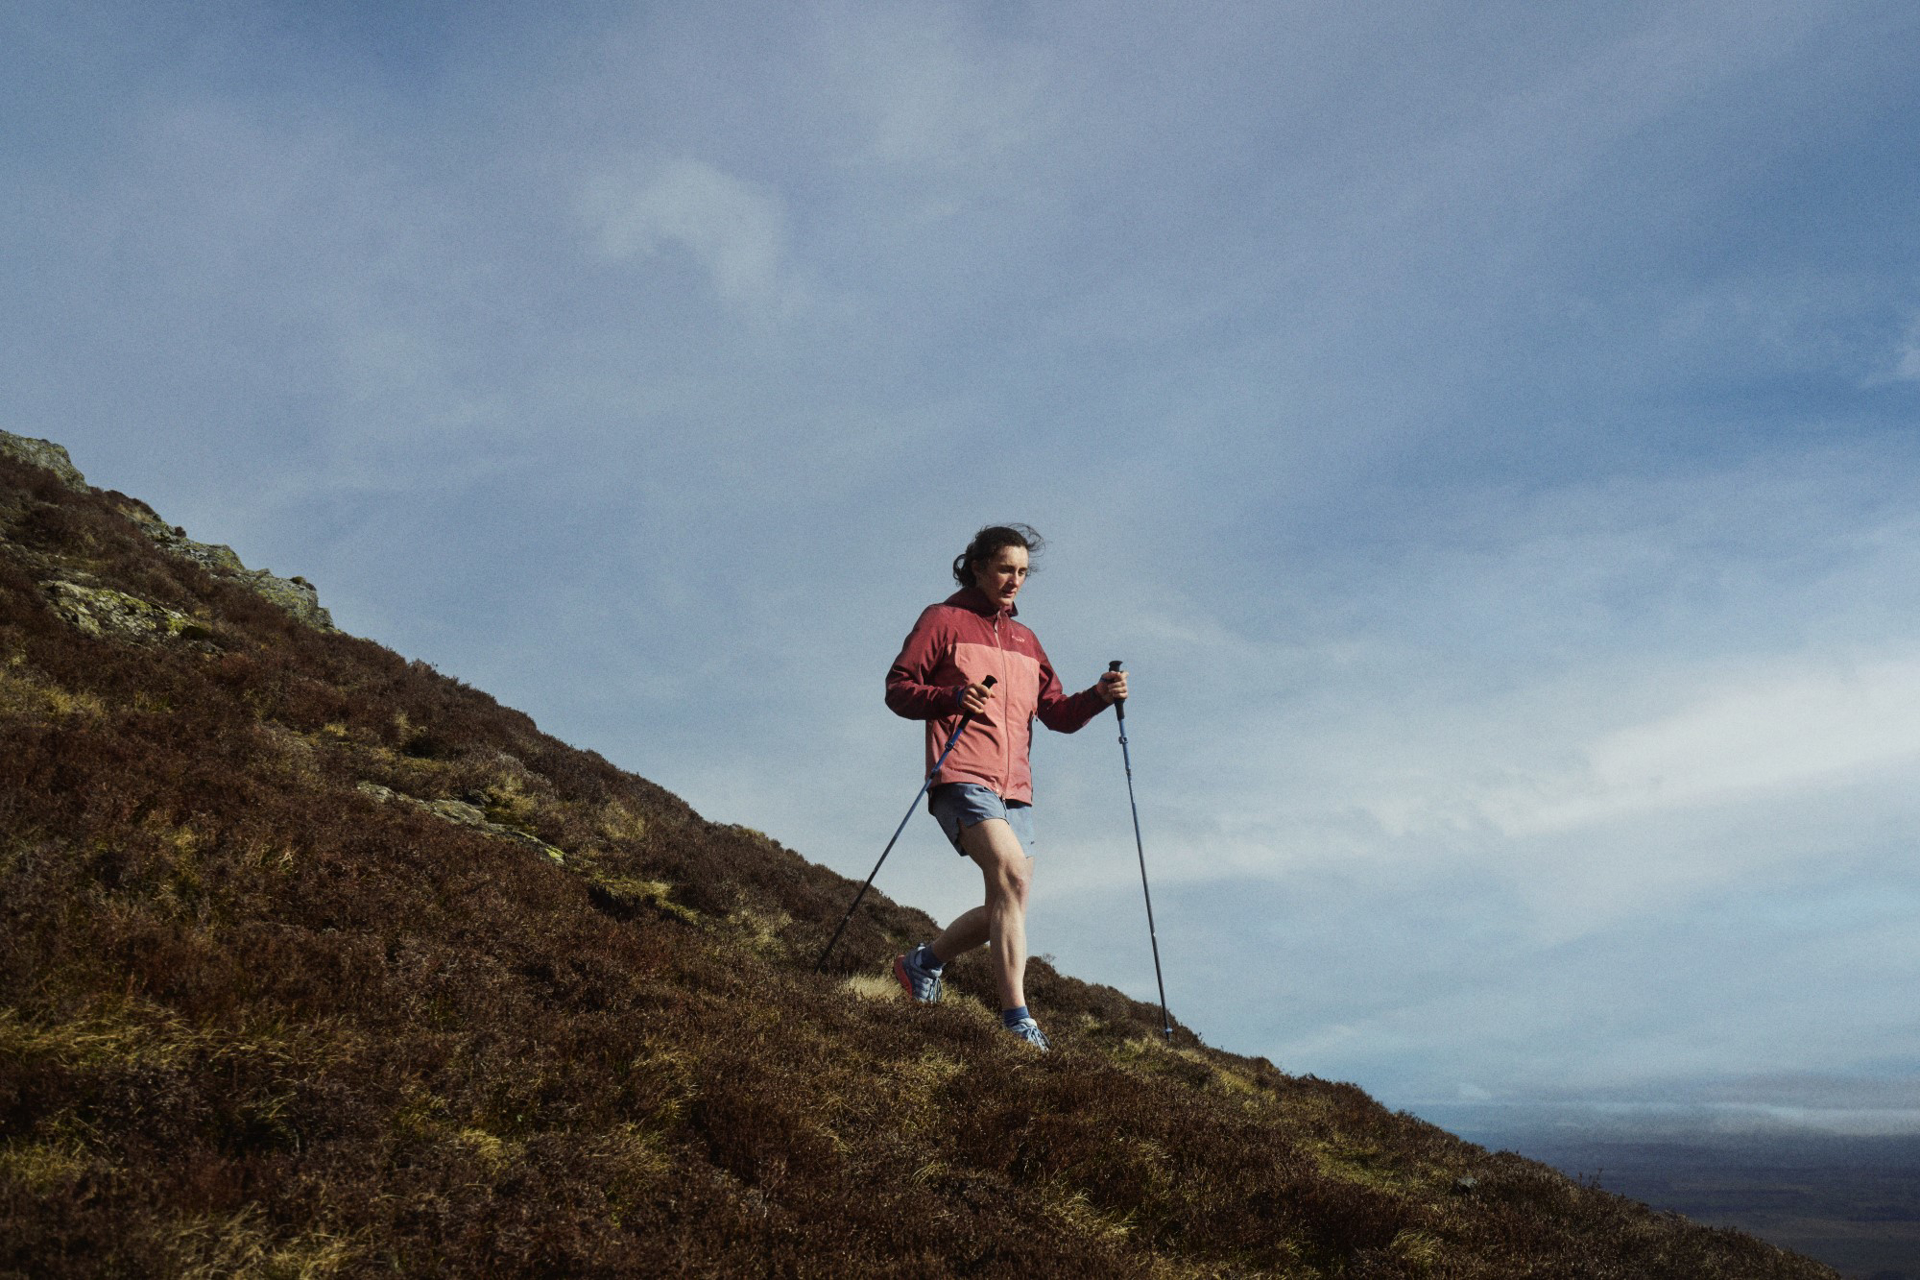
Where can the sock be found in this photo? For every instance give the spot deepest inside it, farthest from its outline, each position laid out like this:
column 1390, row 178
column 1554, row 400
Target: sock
column 1014, row 1017
column 923, row 957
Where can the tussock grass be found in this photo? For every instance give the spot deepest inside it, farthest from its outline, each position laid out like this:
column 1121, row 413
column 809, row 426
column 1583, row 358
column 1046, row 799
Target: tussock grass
column 256, row 1020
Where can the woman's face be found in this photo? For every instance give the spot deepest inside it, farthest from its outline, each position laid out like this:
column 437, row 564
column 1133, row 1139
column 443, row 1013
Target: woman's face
column 1002, row 575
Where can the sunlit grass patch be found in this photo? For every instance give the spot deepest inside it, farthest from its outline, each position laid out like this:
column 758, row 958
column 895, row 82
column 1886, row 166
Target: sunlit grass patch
column 508, row 803
column 1366, row 1164
column 866, row 986
column 617, row 821
column 119, row 1032
column 26, row 695
column 761, row 929
column 43, row 1167
column 1079, row 1215
column 635, row 1151
column 632, row 891
column 215, row 1247
column 489, row 1147
column 1420, row 1250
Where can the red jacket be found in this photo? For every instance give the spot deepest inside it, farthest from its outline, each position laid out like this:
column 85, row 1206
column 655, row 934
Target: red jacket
column 961, row 642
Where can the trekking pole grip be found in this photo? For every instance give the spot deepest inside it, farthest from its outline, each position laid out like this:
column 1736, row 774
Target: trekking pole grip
column 1119, row 708
column 845, row 920
column 985, row 683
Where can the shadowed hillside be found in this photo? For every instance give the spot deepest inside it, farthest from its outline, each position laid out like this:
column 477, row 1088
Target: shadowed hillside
column 315, row 962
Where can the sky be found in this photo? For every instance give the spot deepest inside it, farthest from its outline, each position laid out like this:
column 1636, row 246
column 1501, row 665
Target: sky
column 1486, row 431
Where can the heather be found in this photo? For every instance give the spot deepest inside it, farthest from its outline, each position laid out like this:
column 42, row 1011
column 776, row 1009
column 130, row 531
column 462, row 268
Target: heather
column 316, row 962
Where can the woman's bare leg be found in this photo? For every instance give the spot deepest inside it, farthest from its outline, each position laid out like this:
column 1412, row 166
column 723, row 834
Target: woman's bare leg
column 1002, row 920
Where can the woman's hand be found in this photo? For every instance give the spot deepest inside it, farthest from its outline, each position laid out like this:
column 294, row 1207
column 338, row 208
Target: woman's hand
column 1112, row 687
column 974, row 700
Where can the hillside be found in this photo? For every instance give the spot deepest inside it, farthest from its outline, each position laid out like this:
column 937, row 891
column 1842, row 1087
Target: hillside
column 315, row 962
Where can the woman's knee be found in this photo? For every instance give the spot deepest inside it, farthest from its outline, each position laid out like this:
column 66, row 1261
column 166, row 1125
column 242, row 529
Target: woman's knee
column 1002, row 858
column 1009, row 879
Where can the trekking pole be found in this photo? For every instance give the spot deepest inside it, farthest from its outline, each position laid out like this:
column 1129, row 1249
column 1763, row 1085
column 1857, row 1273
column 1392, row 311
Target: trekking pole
column 952, row 738
column 1120, row 713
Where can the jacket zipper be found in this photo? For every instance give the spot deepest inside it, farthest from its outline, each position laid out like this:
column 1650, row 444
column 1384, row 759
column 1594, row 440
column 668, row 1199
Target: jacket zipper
column 1006, row 729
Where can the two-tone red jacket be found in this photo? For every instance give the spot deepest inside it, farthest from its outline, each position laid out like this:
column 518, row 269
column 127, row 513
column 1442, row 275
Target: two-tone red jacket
column 961, row 642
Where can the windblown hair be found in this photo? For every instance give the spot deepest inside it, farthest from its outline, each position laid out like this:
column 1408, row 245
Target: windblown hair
column 988, row 542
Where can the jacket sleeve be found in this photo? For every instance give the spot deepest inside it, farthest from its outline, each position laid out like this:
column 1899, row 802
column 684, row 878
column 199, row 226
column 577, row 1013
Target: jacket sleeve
column 1062, row 712
column 910, row 688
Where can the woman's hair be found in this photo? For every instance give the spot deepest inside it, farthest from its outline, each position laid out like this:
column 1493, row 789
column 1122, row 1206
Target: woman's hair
column 987, row 543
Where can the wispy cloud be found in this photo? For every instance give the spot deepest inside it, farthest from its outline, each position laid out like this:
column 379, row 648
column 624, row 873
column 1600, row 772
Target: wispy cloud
column 1906, row 364
column 934, row 87
column 1768, row 734
column 735, row 230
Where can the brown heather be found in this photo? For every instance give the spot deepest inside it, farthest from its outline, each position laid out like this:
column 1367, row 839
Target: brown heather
column 256, row 1019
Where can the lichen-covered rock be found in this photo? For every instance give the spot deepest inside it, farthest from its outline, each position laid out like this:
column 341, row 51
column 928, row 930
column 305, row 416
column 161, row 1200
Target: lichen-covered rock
column 217, row 560
column 296, row 595
column 465, row 814
column 43, row 453
column 108, row 614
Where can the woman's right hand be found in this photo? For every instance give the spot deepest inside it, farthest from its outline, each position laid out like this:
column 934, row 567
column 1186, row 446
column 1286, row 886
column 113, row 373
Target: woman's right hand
column 974, row 700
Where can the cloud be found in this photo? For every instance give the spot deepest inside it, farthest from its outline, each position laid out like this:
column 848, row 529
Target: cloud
column 1906, row 365
column 1767, row 736
column 935, row 89
column 735, row 229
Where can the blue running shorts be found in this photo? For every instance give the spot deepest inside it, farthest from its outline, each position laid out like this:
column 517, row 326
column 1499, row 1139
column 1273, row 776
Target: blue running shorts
column 958, row 805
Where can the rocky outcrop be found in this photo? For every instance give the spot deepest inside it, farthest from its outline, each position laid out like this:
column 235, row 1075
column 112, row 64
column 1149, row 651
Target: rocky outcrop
column 43, row 453
column 104, row 613
column 296, row 595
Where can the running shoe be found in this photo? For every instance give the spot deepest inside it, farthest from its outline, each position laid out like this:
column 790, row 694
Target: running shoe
column 1029, row 1030
column 918, row 975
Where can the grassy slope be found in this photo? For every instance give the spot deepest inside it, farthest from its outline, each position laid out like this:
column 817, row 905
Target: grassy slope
column 256, row 1019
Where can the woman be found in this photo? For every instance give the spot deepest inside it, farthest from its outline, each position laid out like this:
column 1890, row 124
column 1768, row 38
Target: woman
column 983, row 795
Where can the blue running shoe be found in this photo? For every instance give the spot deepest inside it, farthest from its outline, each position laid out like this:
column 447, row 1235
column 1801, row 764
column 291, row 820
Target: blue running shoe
column 919, row 974
column 1029, row 1030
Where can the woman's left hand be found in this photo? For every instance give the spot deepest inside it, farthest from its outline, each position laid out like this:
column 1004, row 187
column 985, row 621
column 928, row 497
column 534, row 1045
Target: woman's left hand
column 1112, row 687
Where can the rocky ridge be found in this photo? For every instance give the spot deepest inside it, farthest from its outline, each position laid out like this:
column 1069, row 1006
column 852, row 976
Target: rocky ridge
column 100, row 610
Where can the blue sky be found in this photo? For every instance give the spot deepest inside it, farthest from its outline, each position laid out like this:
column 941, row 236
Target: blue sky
column 1486, row 430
